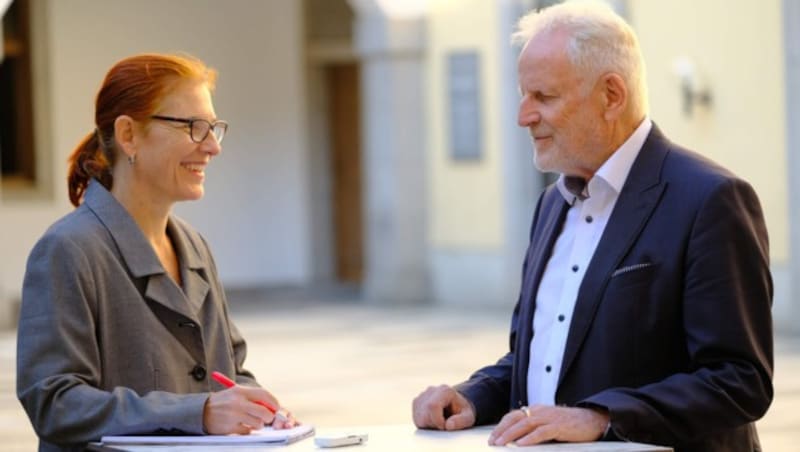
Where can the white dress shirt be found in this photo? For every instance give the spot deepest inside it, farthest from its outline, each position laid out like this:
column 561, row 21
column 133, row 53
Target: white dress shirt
column 555, row 300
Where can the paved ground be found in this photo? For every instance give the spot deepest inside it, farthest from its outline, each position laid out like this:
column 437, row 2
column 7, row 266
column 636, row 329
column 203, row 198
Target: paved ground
column 338, row 363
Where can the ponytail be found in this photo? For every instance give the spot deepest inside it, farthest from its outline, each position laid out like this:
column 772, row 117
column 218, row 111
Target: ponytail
column 88, row 161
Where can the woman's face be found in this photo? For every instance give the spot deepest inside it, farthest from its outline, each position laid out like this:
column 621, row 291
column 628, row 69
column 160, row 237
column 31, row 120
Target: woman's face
column 169, row 166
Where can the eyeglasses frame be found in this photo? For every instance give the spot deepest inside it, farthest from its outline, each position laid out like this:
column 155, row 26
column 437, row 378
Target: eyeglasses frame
column 190, row 122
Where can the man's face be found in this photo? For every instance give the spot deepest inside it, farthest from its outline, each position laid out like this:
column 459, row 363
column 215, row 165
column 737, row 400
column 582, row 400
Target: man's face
column 561, row 109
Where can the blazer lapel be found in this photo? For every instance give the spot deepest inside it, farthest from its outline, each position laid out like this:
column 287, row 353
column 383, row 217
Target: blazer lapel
column 141, row 260
column 637, row 200
column 554, row 212
column 163, row 290
column 546, row 230
column 187, row 301
column 195, row 286
column 174, row 306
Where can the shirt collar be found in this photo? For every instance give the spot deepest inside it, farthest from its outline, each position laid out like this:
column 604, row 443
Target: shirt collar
column 614, row 171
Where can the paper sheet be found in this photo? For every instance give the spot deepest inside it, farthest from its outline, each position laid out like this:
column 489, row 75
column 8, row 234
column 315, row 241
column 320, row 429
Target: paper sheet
column 265, row 435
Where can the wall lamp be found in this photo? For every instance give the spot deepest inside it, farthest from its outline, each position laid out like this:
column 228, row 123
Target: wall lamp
column 693, row 91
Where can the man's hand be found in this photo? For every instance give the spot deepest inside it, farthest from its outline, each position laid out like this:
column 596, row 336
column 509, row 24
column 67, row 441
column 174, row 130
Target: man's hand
column 233, row 410
column 443, row 408
column 549, row 423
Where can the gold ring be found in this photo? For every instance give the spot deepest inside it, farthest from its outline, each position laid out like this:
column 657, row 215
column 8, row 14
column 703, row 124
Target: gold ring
column 525, row 410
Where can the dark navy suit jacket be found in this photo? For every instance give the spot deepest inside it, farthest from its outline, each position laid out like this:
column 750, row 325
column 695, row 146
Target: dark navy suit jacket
column 672, row 330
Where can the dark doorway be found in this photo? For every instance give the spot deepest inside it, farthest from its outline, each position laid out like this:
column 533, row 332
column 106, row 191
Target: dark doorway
column 344, row 124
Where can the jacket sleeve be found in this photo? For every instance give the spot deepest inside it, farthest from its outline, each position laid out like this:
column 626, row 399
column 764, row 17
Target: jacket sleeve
column 489, row 388
column 727, row 295
column 59, row 370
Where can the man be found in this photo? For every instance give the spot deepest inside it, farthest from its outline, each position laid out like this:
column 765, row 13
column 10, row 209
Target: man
column 644, row 312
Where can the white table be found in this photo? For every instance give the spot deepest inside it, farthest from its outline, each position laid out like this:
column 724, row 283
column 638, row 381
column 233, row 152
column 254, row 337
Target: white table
column 406, row 437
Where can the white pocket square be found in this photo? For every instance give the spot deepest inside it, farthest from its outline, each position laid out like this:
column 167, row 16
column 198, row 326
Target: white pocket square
column 631, row 268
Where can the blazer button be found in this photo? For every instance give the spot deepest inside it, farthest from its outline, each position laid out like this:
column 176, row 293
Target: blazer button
column 198, row 373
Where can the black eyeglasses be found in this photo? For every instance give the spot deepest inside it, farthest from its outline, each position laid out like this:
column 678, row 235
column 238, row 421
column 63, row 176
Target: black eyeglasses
column 199, row 128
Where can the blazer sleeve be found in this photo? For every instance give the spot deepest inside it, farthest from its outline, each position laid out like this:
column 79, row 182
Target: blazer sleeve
column 727, row 293
column 59, row 370
column 489, row 388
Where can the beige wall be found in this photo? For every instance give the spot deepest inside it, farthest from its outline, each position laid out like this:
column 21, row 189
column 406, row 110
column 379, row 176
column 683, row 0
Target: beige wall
column 255, row 213
column 479, row 210
column 737, row 48
column 466, row 208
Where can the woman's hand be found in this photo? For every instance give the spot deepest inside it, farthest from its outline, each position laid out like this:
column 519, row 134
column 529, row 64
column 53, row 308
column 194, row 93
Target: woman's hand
column 234, row 410
column 285, row 420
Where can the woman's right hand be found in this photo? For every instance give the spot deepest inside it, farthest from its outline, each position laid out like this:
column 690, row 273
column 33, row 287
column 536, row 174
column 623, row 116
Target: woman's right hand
column 234, row 410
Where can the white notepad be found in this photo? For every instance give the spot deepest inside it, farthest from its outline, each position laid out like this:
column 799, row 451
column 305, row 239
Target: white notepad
column 262, row 436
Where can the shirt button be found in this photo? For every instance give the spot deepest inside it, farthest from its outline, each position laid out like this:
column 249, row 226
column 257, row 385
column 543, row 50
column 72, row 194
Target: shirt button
column 589, row 218
column 561, row 318
column 198, row 373
column 574, row 268
column 548, row 368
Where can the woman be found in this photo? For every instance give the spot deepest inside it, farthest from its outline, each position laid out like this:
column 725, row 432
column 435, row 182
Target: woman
column 123, row 315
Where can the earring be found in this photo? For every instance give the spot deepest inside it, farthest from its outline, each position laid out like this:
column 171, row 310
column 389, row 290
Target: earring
column 132, row 159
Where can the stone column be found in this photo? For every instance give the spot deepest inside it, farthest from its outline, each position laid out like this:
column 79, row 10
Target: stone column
column 391, row 54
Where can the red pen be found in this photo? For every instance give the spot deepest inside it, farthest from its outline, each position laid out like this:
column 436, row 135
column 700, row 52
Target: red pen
column 228, row 383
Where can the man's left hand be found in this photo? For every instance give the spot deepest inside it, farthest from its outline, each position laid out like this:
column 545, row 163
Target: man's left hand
column 549, row 423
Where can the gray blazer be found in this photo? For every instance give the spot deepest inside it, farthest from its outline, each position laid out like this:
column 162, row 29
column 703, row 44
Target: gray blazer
column 108, row 344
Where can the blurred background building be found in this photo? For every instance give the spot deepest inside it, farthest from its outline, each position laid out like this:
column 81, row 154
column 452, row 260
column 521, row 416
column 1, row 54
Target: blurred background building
column 373, row 143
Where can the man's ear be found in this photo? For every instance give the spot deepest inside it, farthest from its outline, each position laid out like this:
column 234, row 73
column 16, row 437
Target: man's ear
column 615, row 95
column 124, row 134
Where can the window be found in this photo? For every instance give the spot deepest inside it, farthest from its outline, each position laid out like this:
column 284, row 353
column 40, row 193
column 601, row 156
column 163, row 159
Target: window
column 17, row 156
column 463, row 81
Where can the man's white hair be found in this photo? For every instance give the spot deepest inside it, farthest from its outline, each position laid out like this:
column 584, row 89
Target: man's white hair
column 599, row 41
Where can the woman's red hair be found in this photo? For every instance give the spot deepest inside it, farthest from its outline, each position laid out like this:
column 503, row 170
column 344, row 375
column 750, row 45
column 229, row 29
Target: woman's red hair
column 135, row 87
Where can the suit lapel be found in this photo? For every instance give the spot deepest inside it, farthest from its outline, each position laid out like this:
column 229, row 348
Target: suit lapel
column 163, row 290
column 546, row 230
column 141, row 260
column 188, row 302
column 195, row 287
column 554, row 213
column 637, row 200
